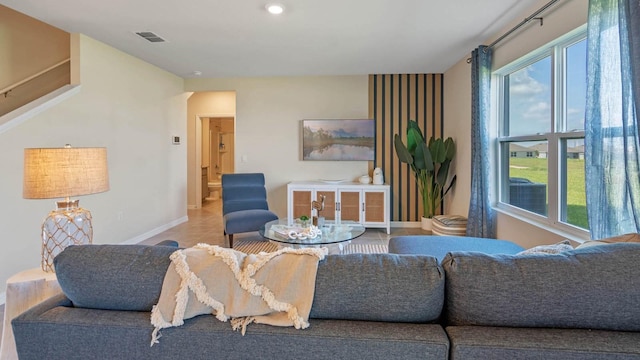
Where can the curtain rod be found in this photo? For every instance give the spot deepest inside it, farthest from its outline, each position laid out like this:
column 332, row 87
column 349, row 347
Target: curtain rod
column 526, row 20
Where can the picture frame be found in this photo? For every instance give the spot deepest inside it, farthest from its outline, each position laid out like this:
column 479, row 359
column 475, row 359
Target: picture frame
column 338, row 139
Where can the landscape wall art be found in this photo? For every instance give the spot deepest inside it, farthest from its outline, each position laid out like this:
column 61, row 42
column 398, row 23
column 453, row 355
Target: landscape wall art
column 338, row 140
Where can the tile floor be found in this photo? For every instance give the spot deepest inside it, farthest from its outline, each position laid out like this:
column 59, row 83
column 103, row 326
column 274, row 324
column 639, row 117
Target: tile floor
column 205, row 226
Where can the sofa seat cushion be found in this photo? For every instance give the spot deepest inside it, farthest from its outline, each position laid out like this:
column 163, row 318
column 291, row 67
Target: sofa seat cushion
column 439, row 246
column 482, row 342
column 116, row 277
column 240, row 221
column 591, row 288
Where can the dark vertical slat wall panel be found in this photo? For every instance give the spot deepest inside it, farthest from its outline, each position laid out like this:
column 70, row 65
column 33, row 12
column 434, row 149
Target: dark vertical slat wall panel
column 393, row 128
column 393, row 101
column 429, row 110
column 421, row 118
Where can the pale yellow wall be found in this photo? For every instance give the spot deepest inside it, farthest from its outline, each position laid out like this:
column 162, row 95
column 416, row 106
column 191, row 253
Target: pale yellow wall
column 559, row 20
column 268, row 115
column 24, row 41
column 133, row 109
column 457, row 124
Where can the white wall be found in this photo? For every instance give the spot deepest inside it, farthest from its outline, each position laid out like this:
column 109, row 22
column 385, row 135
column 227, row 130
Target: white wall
column 558, row 20
column 268, row 133
column 126, row 105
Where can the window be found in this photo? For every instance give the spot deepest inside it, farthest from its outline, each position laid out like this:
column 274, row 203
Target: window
column 541, row 106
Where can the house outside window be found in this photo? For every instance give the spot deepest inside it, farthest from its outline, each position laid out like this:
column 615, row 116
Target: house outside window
column 540, row 145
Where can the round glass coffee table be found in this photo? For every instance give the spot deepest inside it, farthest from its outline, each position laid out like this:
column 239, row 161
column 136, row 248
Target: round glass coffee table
column 332, row 236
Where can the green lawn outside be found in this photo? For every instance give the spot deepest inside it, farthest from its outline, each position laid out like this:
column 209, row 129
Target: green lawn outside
column 535, row 169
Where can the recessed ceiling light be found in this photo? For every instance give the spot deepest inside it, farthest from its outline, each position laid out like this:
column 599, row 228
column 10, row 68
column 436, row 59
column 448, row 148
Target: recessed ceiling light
column 275, row 9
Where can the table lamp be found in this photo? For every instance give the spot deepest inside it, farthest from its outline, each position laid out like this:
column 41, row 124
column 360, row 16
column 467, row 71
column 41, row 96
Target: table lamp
column 61, row 173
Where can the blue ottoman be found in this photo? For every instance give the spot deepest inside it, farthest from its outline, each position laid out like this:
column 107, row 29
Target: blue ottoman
column 439, row 246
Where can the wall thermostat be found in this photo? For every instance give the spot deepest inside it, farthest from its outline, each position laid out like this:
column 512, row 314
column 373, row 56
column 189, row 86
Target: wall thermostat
column 176, row 140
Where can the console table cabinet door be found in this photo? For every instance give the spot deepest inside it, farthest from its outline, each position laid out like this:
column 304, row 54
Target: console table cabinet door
column 300, row 203
column 375, row 211
column 329, row 211
column 349, row 205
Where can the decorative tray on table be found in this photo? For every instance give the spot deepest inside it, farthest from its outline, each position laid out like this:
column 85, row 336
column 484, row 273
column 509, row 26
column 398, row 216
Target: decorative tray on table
column 297, row 231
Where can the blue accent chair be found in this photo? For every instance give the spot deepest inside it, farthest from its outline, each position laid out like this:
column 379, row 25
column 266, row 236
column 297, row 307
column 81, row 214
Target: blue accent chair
column 244, row 204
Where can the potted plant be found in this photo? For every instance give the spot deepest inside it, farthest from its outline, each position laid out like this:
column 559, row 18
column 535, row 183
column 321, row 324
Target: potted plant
column 430, row 166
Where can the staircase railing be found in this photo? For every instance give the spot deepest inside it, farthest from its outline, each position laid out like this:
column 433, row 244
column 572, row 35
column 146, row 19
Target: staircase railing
column 35, row 86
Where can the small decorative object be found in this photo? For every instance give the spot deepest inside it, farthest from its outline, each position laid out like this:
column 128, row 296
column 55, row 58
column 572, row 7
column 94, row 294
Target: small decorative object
column 378, row 179
column 318, row 206
column 365, row 179
column 328, row 181
column 62, row 173
column 304, row 220
column 311, row 232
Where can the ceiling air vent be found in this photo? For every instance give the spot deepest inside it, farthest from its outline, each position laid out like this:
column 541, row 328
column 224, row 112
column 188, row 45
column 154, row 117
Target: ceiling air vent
column 149, row 36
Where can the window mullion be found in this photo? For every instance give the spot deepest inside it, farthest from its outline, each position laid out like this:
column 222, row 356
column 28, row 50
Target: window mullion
column 558, row 122
column 553, row 185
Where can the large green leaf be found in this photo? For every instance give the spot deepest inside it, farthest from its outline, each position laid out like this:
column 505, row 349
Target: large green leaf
column 422, row 158
column 450, row 148
column 453, row 182
column 403, row 154
column 414, row 136
column 443, row 172
column 414, row 125
column 413, row 139
column 437, row 150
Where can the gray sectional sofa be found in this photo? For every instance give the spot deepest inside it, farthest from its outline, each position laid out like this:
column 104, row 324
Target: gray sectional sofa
column 582, row 304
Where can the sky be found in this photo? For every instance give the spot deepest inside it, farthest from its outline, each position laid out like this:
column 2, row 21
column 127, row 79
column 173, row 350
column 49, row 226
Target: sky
column 530, row 94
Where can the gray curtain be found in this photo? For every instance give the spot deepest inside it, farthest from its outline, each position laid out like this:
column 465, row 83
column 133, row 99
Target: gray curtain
column 634, row 48
column 481, row 218
column 612, row 147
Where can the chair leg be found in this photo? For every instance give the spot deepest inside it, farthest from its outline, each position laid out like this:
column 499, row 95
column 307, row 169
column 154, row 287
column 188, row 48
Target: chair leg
column 231, row 241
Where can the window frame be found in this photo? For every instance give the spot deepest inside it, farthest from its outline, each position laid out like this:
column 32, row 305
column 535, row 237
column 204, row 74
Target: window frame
column 555, row 167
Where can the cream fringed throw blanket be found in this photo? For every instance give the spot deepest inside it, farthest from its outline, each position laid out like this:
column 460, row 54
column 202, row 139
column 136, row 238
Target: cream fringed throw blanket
column 269, row 288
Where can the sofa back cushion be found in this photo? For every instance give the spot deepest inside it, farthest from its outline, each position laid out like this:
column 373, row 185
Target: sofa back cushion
column 113, row 277
column 379, row 287
column 591, row 288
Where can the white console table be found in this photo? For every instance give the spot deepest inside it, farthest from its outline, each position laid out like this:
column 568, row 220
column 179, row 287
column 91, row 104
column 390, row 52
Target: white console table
column 365, row 204
column 24, row 290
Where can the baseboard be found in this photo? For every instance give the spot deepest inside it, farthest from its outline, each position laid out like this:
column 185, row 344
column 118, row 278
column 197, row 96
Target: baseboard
column 406, row 224
column 155, row 231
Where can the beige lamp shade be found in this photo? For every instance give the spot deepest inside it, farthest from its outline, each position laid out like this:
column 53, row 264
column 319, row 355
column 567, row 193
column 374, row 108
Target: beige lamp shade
column 64, row 172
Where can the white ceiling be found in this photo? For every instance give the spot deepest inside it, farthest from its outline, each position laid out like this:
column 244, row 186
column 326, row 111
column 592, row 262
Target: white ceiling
column 232, row 38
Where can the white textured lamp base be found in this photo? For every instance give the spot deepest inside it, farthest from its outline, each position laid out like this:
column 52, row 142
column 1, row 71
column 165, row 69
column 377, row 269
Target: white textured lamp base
column 67, row 225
